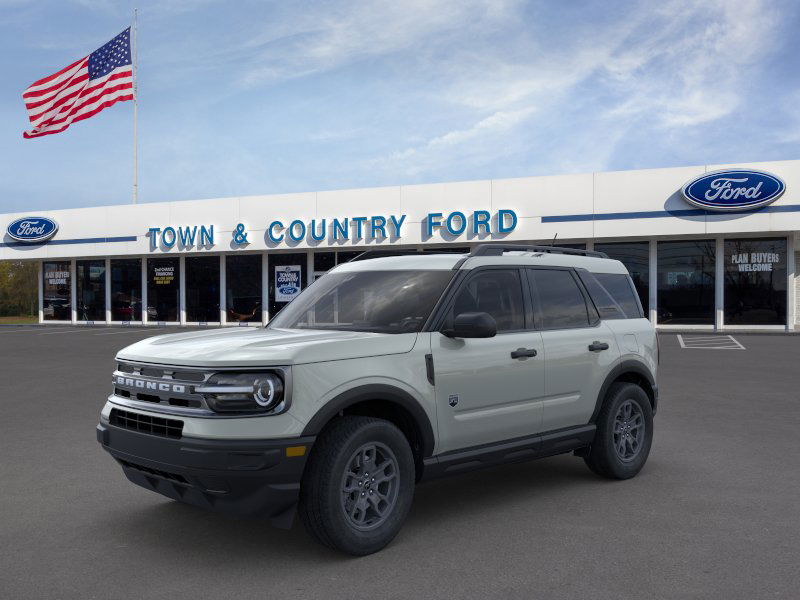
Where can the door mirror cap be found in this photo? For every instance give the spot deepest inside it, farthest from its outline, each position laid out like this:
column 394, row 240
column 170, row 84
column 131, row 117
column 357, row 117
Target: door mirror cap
column 472, row 325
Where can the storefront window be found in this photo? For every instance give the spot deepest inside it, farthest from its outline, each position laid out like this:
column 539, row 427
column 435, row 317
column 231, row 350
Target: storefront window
column 343, row 256
column 202, row 288
column 126, row 290
column 163, row 289
column 57, row 299
column 243, row 288
column 636, row 258
column 323, row 262
column 90, row 276
column 686, row 282
column 287, row 278
column 755, row 282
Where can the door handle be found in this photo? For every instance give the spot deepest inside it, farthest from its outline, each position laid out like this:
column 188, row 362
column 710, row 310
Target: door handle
column 523, row 353
column 597, row 346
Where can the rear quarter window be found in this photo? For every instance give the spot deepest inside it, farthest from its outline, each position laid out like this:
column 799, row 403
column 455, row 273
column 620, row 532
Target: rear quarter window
column 620, row 288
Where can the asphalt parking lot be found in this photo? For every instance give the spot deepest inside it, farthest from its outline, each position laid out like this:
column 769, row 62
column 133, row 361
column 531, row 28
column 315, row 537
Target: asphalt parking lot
column 713, row 514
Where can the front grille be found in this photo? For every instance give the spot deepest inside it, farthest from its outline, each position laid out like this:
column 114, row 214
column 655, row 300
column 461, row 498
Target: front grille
column 157, row 472
column 164, row 386
column 169, row 428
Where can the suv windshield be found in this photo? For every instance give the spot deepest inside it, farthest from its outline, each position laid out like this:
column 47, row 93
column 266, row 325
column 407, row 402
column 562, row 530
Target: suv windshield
column 377, row 301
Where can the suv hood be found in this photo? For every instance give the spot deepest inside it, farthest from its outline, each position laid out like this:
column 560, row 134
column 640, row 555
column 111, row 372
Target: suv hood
column 240, row 347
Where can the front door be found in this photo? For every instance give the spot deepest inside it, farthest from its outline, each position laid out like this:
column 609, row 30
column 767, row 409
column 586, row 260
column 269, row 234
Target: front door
column 483, row 393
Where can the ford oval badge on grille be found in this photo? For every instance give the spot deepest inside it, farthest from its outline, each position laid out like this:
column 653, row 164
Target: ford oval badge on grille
column 32, row 229
column 734, row 190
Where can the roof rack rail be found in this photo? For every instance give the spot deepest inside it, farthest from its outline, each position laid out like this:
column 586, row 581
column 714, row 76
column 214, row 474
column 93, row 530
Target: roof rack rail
column 500, row 249
column 383, row 253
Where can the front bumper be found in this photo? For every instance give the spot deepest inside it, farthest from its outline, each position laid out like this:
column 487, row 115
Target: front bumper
column 243, row 477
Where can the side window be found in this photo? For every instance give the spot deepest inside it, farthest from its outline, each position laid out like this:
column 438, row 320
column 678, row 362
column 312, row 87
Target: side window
column 497, row 292
column 622, row 290
column 561, row 301
column 606, row 305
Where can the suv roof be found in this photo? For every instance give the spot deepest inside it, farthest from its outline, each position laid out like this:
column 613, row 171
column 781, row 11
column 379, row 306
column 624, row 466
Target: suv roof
column 485, row 255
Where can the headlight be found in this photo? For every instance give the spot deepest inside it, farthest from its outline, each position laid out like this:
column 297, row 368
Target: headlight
column 243, row 392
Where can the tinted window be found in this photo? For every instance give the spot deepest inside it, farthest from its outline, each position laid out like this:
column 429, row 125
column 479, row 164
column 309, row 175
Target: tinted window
column 202, row 288
column 621, row 290
column 636, row 258
column 606, row 305
column 686, row 282
column 377, row 301
column 91, row 290
column 497, row 292
column 561, row 303
column 126, row 289
column 243, row 288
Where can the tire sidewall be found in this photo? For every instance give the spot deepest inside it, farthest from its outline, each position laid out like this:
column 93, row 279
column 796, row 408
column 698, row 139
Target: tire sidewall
column 619, row 468
column 347, row 537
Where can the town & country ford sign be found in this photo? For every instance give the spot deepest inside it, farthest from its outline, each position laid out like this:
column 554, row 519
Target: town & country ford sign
column 32, row 229
column 734, row 190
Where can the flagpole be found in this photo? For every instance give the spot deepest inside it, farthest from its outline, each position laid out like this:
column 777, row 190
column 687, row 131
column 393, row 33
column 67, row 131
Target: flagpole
column 135, row 110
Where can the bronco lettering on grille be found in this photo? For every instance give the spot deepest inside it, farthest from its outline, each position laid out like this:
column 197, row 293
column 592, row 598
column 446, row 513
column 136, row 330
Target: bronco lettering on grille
column 150, row 385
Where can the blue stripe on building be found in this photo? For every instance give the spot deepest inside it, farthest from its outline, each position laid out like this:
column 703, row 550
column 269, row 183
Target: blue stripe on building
column 657, row 214
column 100, row 240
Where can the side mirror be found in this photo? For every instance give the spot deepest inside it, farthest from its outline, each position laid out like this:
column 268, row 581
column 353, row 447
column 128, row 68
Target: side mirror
column 472, row 325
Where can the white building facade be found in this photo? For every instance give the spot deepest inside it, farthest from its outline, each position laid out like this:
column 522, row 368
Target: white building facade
column 237, row 261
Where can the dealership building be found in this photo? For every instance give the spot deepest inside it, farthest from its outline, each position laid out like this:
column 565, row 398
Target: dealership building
column 708, row 247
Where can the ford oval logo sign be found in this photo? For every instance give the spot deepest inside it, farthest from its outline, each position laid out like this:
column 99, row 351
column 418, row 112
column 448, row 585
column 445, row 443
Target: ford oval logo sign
column 734, row 190
column 32, row 229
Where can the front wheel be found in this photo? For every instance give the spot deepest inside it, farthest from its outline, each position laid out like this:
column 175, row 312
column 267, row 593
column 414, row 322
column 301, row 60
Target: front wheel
column 624, row 433
column 358, row 486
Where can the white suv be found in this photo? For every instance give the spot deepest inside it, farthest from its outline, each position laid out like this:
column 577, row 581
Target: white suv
column 387, row 371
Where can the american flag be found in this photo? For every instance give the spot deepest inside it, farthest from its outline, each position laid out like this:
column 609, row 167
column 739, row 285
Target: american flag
column 82, row 89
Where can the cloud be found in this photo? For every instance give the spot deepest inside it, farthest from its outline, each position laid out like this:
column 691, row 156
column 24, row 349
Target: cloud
column 340, row 33
column 679, row 65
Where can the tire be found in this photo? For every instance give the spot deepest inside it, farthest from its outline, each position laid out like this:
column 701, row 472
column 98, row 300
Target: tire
column 627, row 412
column 340, row 505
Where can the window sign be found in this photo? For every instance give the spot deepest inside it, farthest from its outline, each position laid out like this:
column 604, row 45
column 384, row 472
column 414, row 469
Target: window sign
column 164, row 275
column 288, row 282
column 57, row 304
column 163, row 290
column 755, row 281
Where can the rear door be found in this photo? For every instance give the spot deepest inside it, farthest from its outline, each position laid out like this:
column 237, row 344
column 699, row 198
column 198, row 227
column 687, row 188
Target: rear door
column 483, row 393
column 579, row 348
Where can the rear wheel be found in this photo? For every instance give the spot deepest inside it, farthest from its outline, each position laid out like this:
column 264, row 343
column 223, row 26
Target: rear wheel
column 358, row 486
column 624, row 433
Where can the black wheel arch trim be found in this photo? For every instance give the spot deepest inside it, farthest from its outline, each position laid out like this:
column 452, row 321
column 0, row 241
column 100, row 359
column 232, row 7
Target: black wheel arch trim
column 623, row 368
column 375, row 391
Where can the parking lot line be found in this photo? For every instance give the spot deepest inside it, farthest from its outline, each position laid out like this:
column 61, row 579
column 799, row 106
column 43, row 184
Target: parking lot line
column 718, row 342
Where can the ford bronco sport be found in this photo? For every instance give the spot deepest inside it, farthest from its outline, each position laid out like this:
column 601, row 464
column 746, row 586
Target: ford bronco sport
column 387, row 371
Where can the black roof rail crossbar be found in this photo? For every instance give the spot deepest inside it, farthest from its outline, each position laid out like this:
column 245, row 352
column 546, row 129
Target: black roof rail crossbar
column 500, row 249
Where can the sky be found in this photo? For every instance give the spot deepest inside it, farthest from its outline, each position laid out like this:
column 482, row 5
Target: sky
column 259, row 97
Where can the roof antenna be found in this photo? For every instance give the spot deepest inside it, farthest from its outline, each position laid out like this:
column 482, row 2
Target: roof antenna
column 553, row 243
